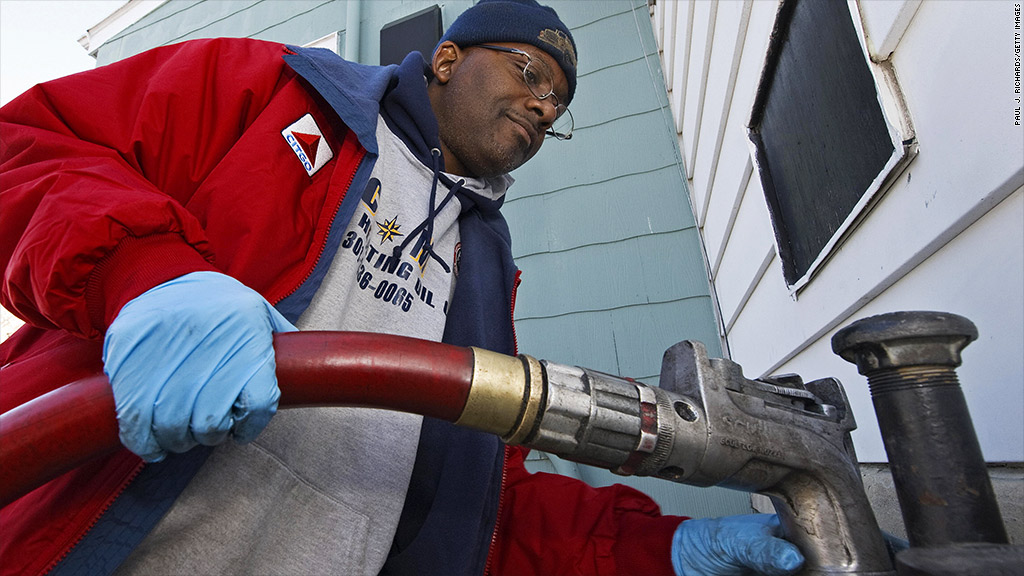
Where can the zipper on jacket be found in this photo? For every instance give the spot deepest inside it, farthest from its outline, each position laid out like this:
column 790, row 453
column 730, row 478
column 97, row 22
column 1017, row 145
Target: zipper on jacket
column 96, row 518
column 512, row 312
column 504, row 460
column 327, row 235
column 501, row 508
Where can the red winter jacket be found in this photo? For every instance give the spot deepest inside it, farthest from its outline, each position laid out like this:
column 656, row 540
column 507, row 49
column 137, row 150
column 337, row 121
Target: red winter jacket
column 118, row 179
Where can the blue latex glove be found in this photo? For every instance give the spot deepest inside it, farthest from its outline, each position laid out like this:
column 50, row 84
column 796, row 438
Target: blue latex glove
column 894, row 545
column 733, row 545
column 191, row 362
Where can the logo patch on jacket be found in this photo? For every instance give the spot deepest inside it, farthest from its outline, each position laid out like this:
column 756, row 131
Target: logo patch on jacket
column 307, row 142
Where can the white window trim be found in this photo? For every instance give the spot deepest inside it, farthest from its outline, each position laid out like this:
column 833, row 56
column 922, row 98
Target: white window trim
column 335, row 42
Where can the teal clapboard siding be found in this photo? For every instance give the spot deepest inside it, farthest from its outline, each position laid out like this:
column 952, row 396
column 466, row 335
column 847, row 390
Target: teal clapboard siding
column 613, row 269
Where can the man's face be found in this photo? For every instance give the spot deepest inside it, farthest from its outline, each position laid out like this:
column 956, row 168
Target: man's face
column 490, row 123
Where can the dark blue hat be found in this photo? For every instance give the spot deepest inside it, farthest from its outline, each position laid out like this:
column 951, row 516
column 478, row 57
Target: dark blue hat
column 523, row 21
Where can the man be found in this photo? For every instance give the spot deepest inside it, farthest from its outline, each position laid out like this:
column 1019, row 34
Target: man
column 187, row 203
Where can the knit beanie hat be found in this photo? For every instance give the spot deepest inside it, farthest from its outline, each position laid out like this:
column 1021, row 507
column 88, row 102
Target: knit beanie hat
column 523, row 21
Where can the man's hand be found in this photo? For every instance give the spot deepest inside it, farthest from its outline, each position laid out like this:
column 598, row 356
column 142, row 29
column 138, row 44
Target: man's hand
column 732, row 546
column 191, row 362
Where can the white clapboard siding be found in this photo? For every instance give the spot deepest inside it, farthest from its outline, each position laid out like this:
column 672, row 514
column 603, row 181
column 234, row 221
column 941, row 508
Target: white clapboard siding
column 960, row 195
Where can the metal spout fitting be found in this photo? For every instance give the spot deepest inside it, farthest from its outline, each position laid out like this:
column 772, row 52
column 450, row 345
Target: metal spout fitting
column 708, row 425
column 941, row 479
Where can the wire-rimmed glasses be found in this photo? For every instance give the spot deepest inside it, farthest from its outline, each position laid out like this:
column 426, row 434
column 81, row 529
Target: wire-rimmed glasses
column 542, row 85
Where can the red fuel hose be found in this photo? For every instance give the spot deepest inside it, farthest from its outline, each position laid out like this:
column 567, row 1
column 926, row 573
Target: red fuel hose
column 76, row 423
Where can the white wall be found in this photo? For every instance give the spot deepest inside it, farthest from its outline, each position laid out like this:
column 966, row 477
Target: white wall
column 9, row 323
column 947, row 235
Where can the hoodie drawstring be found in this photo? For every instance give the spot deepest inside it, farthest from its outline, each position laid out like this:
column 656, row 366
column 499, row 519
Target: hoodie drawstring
column 427, row 226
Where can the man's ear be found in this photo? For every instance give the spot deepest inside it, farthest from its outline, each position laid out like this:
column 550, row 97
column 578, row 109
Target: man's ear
column 445, row 60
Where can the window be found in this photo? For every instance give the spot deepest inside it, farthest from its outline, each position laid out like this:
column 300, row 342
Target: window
column 821, row 139
column 419, row 31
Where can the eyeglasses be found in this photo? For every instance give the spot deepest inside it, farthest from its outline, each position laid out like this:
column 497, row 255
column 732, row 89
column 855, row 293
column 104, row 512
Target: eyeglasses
column 542, row 86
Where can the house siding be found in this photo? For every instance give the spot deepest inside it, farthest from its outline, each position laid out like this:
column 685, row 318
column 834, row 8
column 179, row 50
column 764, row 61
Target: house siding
column 970, row 166
column 946, row 235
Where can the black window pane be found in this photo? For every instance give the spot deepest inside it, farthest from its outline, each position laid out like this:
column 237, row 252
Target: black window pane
column 818, row 127
column 419, row 31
